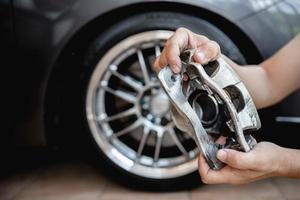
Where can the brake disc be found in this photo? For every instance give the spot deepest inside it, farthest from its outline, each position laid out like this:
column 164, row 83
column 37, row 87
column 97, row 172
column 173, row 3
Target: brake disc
column 213, row 102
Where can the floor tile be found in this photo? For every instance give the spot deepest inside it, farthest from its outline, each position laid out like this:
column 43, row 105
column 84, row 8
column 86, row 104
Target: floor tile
column 258, row 190
column 145, row 196
column 78, row 181
column 290, row 188
column 114, row 191
column 65, row 182
column 11, row 186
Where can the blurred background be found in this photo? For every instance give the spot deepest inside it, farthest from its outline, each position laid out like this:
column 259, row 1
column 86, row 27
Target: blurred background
column 84, row 116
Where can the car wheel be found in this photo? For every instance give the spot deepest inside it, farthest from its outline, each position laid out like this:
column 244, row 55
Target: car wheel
column 126, row 110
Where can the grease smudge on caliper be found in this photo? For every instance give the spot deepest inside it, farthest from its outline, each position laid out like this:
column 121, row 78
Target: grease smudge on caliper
column 213, row 102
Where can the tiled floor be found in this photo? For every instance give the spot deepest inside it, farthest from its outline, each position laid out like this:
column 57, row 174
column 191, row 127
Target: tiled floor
column 81, row 181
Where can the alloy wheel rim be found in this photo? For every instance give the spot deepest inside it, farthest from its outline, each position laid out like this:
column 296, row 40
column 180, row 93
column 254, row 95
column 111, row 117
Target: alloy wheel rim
column 123, row 87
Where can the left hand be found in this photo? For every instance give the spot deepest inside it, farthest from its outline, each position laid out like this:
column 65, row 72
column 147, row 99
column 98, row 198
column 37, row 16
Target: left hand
column 263, row 161
column 206, row 49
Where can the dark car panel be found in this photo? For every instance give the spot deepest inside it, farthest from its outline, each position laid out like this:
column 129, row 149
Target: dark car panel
column 7, row 40
column 278, row 23
column 51, row 24
column 6, row 21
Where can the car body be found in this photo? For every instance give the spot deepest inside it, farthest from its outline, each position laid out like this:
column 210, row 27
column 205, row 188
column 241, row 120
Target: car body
column 38, row 36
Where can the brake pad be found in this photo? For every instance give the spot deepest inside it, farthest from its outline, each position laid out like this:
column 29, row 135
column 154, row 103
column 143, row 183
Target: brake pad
column 213, row 102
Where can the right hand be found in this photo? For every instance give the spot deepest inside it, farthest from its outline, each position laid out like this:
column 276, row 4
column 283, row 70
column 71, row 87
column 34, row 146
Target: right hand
column 206, row 50
column 264, row 160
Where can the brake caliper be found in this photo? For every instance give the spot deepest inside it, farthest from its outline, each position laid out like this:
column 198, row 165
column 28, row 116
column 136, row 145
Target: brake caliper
column 213, row 102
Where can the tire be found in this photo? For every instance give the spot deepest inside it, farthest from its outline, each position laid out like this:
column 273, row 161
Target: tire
column 112, row 56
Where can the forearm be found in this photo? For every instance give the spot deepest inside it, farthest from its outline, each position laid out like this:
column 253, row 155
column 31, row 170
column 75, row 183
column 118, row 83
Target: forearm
column 257, row 82
column 275, row 78
column 283, row 70
column 289, row 163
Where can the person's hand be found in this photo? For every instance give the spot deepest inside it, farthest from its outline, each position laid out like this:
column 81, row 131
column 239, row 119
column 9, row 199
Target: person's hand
column 206, row 50
column 263, row 161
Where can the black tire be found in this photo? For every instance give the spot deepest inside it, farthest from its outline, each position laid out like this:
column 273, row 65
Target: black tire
column 110, row 37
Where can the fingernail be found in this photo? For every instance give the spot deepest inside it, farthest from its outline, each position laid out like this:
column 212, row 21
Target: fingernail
column 221, row 155
column 200, row 56
column 185, row 77
column 175, row 69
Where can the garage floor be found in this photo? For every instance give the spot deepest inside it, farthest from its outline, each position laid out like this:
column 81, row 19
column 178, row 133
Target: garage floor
column 75, row 180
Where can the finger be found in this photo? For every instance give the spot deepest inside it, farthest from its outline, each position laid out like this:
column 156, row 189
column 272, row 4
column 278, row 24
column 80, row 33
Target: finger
column 182, row 37
column 221, row 140
column 207, row 52
column 186, row 39
column 236, row 159
column 162, row 61
column 175, row 44
column 208, row 175
column 180, row 40
column 200, row 40
column 172, row 52
column 203, row 167
column 185, row 77
column 156, row 65
column 172, row 61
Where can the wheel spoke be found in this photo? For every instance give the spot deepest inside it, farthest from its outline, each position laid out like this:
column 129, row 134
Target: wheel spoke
column 146, row 132
column 157, row 50
column 121, row 94
column 120, row 115
column 177, row 141
column 143, row 66
column 158, row 145
column 127, row 79
column 129, row 128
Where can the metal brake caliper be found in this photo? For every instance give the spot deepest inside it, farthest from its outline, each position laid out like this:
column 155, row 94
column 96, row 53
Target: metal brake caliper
column 213, row 102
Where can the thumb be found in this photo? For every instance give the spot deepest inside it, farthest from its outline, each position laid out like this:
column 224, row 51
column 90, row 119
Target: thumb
column 235, row 159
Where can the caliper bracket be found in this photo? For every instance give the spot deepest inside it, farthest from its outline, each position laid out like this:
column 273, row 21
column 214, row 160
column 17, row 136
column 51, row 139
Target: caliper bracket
column 214, row 97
